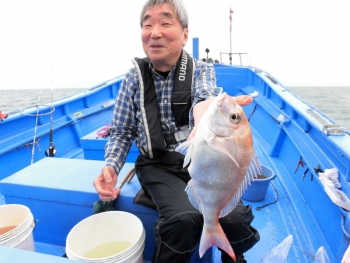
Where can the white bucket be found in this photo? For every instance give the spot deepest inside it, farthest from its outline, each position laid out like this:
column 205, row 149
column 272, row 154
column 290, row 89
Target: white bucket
column 111, row 228
column 16, row 227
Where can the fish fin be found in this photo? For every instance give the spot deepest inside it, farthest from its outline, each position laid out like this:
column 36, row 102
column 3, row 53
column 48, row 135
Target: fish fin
column 192, row 196
column 256, row 164
column 189, row 153
column 220, row 145
column 231, row 205
column 253, row 169
column 185, row 148
column 217, row 238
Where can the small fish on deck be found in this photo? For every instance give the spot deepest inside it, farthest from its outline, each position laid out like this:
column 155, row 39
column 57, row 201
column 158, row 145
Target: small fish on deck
column 222, row 164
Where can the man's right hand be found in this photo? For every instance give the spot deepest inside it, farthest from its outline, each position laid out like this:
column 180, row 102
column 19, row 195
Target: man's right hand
column 105, row 184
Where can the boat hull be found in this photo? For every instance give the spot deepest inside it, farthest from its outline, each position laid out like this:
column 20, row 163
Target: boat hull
column 289, row 137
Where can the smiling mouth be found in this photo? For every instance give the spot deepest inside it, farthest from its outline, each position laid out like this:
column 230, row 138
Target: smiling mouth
column 156, row 46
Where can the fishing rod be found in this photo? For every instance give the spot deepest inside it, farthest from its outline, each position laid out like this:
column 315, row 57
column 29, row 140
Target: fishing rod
column 35, row 128
column 51, row 152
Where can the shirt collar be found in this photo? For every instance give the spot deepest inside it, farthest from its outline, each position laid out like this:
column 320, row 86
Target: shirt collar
column 152, row 70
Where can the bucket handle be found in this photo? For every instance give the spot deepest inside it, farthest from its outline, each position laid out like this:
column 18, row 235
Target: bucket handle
column 277, row 196
column 273, row 177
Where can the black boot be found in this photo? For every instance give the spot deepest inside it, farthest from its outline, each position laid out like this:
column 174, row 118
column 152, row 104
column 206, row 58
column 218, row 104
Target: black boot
column 241, row 259
column 227, row 259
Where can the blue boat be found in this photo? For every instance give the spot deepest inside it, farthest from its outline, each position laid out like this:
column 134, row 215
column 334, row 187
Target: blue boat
column 295, row 140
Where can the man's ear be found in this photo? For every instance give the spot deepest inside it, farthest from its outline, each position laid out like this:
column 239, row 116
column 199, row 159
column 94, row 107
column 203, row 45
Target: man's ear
column 185, row 36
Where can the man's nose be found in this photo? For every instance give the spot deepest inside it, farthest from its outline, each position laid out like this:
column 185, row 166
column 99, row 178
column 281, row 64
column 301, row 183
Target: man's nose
column 156, row 32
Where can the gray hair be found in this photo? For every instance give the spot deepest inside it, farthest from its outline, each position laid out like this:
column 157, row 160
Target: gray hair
column 178, row 6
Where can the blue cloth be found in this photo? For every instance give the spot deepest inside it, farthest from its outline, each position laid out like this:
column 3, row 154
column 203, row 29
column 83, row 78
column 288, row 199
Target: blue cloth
column 127, row 124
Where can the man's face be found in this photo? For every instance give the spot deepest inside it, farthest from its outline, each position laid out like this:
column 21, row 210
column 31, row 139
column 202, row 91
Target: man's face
column 162, row 36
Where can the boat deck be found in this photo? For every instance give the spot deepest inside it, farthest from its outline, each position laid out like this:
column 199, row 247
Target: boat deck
column 289, row 137
column 60, row 193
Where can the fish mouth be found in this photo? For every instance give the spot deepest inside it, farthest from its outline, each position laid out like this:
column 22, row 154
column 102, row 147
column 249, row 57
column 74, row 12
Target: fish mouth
column 221, row 98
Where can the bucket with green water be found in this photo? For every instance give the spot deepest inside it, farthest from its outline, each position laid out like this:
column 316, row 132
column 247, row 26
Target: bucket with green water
column 107, row 237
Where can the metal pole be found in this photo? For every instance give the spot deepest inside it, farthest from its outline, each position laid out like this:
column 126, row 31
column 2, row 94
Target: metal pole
column 195, row 47
column 230, row 48
column 231, row 12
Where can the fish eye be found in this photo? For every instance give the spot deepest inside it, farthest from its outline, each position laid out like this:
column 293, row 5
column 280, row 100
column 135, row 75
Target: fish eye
column 235, row 117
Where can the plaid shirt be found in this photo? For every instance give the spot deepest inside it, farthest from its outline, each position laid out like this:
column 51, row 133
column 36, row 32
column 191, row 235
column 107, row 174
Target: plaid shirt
column 127, row 124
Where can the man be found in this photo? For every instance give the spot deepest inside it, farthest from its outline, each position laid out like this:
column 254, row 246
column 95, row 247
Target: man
column 161, row 100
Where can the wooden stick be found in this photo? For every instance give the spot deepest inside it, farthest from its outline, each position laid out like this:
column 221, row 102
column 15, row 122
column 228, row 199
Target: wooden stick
column 127, row 178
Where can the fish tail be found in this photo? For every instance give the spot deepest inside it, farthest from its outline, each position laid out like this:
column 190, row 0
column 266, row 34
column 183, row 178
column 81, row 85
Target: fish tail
column 215, row 237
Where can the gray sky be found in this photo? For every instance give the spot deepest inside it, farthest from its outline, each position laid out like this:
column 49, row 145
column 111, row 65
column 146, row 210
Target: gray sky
column 80, row 43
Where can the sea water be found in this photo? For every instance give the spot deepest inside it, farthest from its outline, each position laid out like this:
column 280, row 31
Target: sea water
column 18, row 99
column 332, row 101
column 108, row 249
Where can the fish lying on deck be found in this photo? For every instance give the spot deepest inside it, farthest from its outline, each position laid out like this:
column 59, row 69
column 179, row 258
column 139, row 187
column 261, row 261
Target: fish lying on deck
column 222, row 165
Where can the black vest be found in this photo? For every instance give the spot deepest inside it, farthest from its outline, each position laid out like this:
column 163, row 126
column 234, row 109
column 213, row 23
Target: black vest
column 181, row 101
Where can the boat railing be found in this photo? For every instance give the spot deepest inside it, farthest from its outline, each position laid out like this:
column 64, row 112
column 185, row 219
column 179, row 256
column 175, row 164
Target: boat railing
column 239, row 55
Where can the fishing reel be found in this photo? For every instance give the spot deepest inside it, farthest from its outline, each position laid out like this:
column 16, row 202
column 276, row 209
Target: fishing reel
column 51, row 152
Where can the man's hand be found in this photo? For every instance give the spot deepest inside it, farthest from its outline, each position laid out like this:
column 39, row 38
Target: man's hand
column 105, row 184
column 243, row 100
column 202, row 106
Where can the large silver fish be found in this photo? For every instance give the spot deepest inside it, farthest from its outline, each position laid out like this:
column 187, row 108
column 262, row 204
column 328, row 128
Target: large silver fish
column 222, row 164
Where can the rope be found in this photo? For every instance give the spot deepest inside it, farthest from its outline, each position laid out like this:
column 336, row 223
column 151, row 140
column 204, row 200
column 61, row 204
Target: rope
column 38, row 114
column 265, row 205
column 104, row 131
column 252, row 113
column 342, row 222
